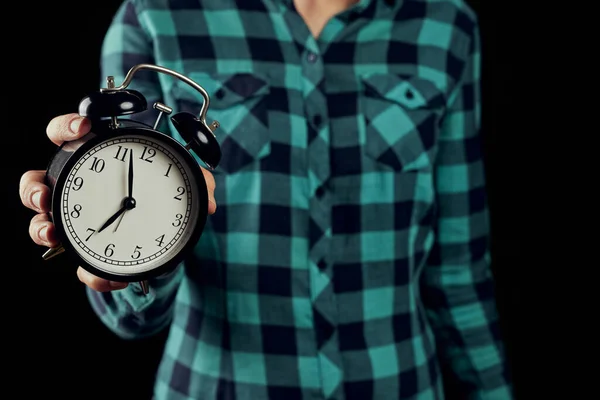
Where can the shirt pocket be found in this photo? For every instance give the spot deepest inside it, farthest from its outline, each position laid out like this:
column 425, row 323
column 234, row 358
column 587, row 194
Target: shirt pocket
column 238, row 101
column 401, row 118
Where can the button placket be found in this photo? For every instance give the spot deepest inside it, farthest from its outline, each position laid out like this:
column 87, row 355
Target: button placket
column 321, row 285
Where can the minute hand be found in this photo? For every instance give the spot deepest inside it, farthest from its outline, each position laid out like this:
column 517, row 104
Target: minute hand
column 130, row 182
column 113, row 218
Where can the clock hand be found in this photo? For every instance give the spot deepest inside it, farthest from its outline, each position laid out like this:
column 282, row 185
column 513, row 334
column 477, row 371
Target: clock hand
column 118, row 223
column 113, row 218
column 130, row 182
column 128, row 204
column 130, row 188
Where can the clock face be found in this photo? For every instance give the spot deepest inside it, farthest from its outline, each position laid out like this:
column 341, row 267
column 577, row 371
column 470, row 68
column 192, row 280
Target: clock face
column 122, row 235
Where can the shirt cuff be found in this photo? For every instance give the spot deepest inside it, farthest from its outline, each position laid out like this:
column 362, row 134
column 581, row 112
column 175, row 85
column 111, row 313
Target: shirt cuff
column 158, row 288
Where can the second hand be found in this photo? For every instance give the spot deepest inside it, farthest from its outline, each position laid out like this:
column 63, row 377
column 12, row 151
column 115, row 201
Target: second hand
column 119, row 222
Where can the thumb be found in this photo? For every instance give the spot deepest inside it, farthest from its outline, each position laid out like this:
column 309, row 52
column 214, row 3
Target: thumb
column 210, row 186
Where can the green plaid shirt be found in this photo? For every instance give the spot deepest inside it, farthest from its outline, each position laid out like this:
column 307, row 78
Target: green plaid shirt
column 348, row 257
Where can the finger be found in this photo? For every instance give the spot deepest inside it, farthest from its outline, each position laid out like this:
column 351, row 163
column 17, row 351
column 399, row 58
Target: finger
column 98, row 284
column 210, row 185
column 34, row 193
column 42, row 231
column 67, row 127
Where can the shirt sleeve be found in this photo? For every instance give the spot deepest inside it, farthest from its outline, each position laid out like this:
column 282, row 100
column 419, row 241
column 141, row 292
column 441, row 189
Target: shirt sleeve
column 128, row 312
column 458, row 287
column 128, row 43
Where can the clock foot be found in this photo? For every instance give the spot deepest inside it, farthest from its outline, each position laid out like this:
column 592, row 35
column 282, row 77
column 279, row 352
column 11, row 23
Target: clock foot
column 144, row 286
column 53, row 252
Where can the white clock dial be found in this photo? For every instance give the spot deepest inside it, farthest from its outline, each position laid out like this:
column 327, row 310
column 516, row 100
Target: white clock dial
column 142, row 238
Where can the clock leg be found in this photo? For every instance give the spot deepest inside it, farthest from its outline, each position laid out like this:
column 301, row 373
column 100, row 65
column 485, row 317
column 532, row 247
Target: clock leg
column 53, row 252
column 144, row 286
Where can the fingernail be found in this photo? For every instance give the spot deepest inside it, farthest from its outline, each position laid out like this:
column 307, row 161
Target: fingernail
column 35, row 199
column 75, row 124
column 43, row 233
column 213, row 202
column 118, row 285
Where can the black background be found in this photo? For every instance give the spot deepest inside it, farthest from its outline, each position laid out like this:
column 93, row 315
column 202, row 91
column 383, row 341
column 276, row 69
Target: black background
column 55, row 345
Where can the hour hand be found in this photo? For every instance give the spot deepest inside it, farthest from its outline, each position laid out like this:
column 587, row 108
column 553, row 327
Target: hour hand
column 113, row 218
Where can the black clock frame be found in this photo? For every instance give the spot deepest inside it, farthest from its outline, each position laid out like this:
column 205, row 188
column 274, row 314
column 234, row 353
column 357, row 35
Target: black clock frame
column 63, row 161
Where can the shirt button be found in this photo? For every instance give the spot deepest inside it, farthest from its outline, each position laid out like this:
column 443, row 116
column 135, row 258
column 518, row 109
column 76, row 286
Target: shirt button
column 322, row 265
column 317, row 120
column 320, row 192
column 220, row 94
column 312, row 57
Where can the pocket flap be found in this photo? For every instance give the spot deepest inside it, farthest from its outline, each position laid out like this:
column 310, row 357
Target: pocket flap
column 409, row 92
column 224, row 90
column 239, row 102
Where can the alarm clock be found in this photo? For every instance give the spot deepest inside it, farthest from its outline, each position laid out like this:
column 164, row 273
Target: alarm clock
column 128, row 201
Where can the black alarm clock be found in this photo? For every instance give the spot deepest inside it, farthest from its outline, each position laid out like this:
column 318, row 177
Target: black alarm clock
column 128, row 201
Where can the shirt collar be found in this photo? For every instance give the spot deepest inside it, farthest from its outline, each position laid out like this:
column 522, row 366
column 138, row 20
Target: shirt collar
column 360, row 4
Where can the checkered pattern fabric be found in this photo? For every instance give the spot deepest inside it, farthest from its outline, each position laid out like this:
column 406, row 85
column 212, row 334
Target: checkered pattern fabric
column 348, row 257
